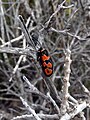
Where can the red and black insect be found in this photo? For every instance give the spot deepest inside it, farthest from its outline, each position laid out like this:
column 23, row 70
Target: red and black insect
column 45, row 61
column 42, row 54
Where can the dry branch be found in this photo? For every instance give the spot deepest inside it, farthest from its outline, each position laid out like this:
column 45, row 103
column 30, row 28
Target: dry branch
column 65, row 29
column 17, row 51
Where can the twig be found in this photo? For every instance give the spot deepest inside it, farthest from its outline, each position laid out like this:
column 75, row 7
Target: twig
column 53, row 90
column 82, row 116
column 66, row 83
column 72, row 99
column 13, row 40
column 33, row 89
column 54, row 103
column 16, row 67
column 57, row 10
column 21, row 57
column 77, row 110
column 43, row 116
column 3, row 29
column 25, row 31
column 14, row 50
column 30, row 109
column 65, row 32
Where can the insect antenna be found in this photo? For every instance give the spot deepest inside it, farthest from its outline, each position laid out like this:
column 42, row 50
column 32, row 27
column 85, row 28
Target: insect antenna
column 36, row 38
column 26, row 33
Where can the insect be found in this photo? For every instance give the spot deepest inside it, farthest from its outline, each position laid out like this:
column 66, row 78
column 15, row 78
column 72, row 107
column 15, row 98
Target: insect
column 45, row 61
column 42, row 54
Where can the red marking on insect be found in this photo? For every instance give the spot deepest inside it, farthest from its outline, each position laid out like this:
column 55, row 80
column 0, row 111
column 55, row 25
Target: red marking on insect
column 47, row 64
column 45, row 57
column 48, row 71
column 45, row 61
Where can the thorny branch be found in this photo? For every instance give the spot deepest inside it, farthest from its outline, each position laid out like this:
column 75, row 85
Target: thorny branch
column 66, row 83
